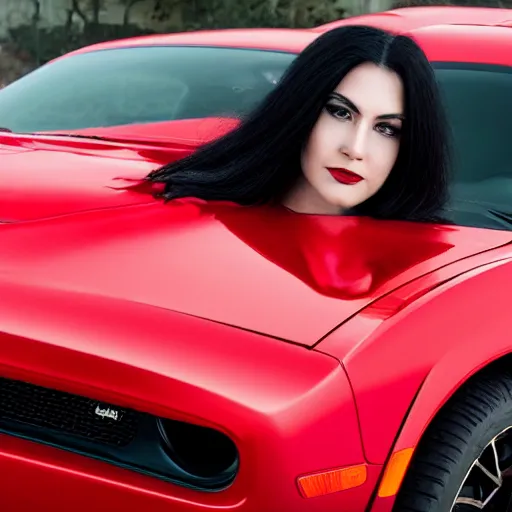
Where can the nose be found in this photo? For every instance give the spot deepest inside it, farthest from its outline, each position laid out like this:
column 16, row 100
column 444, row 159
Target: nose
column 355, row 146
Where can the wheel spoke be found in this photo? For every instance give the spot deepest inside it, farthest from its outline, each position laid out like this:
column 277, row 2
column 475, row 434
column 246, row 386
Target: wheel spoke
column 469, row 501
column 496, row 459
column 494, row 478
column 488, row 483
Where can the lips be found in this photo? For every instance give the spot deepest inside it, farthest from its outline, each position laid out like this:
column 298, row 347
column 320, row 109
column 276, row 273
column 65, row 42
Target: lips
column 344, row 176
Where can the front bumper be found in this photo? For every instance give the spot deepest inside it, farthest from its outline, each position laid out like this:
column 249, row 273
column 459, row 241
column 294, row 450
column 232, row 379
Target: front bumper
column 37, row 477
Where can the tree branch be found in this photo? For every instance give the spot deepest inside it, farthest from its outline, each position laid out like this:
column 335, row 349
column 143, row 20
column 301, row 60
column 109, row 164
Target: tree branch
column 128, row 11
column 76, row 8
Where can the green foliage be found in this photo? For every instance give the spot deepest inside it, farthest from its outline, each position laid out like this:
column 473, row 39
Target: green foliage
column 214, row 14
column 44, row 44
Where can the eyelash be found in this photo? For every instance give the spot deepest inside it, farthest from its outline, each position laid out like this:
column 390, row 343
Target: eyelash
column 385, row 129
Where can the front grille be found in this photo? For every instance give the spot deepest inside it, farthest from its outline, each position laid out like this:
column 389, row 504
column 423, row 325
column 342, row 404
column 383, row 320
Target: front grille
column 65, row 413
column 128, row 438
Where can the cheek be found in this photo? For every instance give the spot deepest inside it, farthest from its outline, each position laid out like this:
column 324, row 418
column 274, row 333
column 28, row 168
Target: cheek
column 383, row 157
column 311, row 152
column 322, row 145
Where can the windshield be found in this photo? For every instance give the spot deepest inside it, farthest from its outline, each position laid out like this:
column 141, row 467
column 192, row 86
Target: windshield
column 479, row 103
column 140, row 85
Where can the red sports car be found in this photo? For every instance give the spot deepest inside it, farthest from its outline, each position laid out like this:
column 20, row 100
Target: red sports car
column 178, row 357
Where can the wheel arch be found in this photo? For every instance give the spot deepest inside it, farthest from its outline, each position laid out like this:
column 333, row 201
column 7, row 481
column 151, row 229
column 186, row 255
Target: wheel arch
column 430, row 400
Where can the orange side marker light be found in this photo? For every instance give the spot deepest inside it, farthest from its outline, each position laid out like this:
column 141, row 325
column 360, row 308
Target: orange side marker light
column 327, row 482
column 395, row 472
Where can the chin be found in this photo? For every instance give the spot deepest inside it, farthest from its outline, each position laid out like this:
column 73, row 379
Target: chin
column 344, row 206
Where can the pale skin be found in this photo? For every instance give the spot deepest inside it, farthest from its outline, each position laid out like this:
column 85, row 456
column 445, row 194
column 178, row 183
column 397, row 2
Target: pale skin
column 359, row 131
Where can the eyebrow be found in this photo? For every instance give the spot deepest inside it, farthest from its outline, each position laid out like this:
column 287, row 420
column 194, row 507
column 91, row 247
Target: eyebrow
column 351, row 105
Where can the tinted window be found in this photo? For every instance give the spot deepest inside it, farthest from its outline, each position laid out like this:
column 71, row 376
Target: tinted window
column 137, row 85
column 479, row 103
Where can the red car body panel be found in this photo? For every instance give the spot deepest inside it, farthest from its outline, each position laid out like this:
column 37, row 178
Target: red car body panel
column 87, row 484
column 182, row 310
column 183, row 367
column 470, row 44
column 412, row 18
column 328, row 271
column 67, row 330
column 410, row 334
column 53, row 175
column 417, row 351
column 188, row 133
column 277, row 39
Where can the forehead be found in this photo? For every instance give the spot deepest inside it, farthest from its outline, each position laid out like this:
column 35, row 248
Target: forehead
column 374, row 90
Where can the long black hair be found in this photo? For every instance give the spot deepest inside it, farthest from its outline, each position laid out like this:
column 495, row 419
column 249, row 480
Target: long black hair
column 259, row 161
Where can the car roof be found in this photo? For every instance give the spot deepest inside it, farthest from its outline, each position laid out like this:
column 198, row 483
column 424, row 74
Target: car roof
column 477, row 44
column 446, row 34
column 273, row 39
column 410, row 18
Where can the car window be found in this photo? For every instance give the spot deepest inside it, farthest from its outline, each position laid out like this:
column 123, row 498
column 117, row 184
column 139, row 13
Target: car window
column 479, row 106
column 139, row 85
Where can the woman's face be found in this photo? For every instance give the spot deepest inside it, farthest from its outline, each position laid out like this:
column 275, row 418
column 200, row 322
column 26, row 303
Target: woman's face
column 353, row 145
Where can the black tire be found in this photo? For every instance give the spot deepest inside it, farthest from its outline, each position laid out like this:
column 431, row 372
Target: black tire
column 453, row 442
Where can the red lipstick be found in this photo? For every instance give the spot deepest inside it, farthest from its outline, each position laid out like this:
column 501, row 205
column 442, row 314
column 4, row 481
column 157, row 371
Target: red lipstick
column 344, row 176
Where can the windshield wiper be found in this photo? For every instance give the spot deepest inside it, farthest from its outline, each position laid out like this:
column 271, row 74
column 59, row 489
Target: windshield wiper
column 73, row 135
column 503, row 217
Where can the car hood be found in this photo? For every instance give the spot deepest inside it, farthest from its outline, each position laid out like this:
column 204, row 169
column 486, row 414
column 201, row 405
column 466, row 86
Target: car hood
column 50, row 175
column 264, row 269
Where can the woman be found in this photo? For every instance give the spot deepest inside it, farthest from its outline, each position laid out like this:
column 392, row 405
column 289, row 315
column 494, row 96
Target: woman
column 354, row 127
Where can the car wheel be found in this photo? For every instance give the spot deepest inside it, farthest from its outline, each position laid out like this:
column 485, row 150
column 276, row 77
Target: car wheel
column 464, row 461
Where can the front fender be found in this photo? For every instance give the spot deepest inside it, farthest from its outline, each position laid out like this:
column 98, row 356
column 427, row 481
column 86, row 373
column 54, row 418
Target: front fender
column 404, row 367
column 482, row 341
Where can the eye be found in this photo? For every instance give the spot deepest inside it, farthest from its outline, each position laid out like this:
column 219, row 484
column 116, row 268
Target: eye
column 388, row 130
column 338, row 111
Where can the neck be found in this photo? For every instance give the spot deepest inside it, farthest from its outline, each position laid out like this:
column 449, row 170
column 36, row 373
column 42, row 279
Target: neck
column 303, row 198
